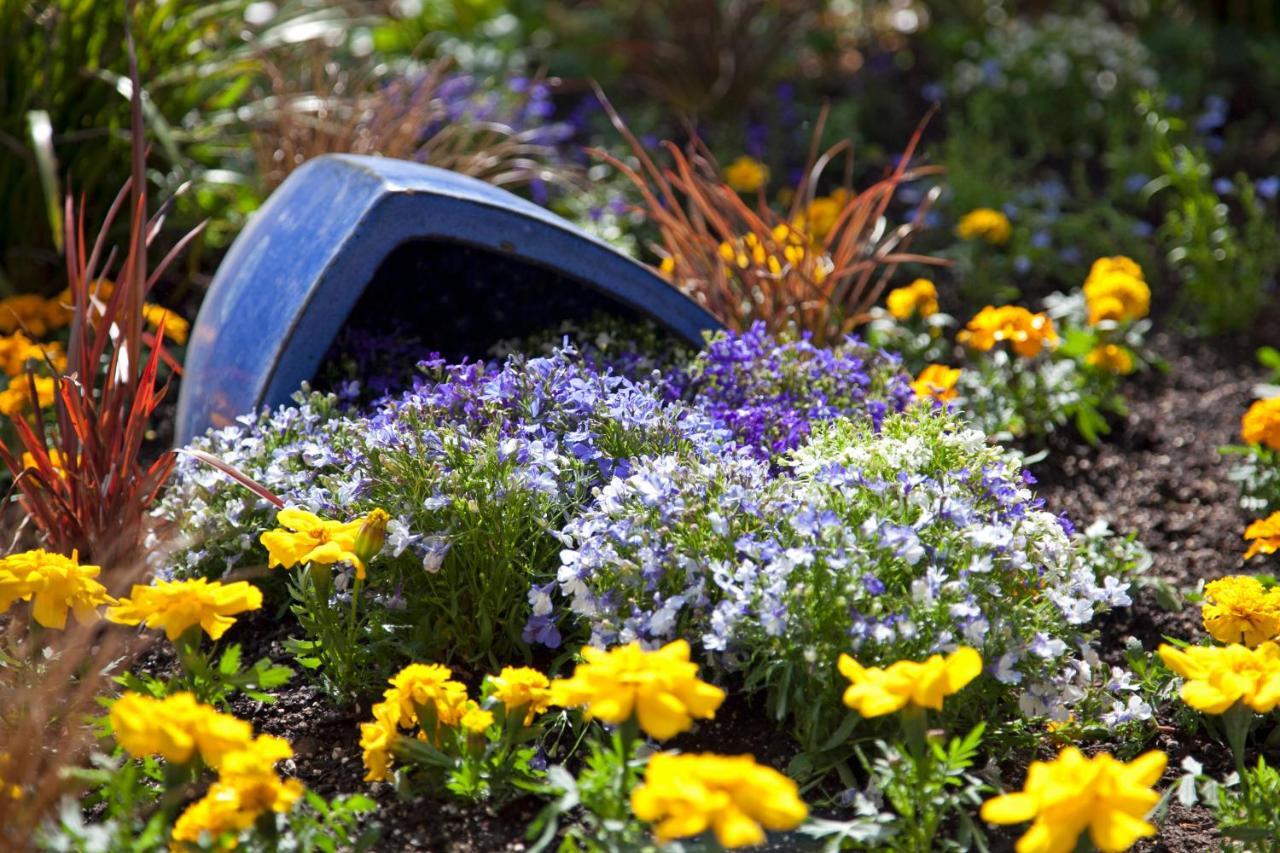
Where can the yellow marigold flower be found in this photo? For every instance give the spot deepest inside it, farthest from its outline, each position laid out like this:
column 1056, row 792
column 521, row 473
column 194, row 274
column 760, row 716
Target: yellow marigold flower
column 1073, row 793
column 746, row 174
column 16, row 399
column 661, row 689
column 176, row 327
column 215, row 814
column 53, row 584
column 475, row 719
column 1111, row 358
column 251, row 772
column 55, row 461
column 687, row 795
column 17, row 350
column 919, row 297
column 377, row 737
column 667, row 266
column 420, row 685
column 304, row 537
column 1027, row 333
column 985, row 224
column 1117, row 264
column 1261, row 423
column 1265, row 533
column 1220, row 676
column 519, row 687
column 1239, row 609
column 821, row 215
column 30, row 313
column 875, row 692
column 937, row 381
column 175, row 606
column 1116, row 290
column 177, row 728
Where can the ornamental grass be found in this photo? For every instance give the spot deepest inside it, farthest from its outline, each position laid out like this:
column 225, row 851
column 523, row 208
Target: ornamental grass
column 93, row 416
column 746, row 264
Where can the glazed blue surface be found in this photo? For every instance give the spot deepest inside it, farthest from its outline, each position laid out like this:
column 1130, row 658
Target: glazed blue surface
column 295, row 273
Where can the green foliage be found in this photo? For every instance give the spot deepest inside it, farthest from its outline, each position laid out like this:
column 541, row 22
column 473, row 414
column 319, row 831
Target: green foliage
column 931, row 792
column 1049, row 86
column 317, row 825
column 343, row 637
column 1246, row 805
column 493, row 765
column 598, row 799
column 212, row 683
column 1223, row 261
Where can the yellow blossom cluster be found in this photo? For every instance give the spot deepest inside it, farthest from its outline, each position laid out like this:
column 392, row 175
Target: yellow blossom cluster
column 247, row 787
column 874, row 692
column 54, row 584
column 686, row 795
column 180, row 729
column 985, row 224
column 1217, row 677
column 659, row 688
column 790, row 252
column 1072, row 794
column 1261, row 423
column 176, row 327
column 16, row 399
column 55, row 461
column 1027, row 333
column 1116, row 291
column 1111, row 358
column 16, row 350
column 304, row 537
column 938, row 382
column 427, row 697
column 521, row 687
column 822, row 214
column 176, row 606
column 177, row 728
column 1239, row 609
column 746, row 174
column 33, row 314
column 917, row 299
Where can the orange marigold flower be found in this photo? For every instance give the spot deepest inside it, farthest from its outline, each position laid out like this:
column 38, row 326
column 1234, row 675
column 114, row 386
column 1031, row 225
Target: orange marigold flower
column 1027, row 333
column 1261, row 423
column 1264, row 534
column 937, row 381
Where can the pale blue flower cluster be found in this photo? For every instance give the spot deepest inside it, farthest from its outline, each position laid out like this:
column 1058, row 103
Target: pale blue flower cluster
column 887, row 544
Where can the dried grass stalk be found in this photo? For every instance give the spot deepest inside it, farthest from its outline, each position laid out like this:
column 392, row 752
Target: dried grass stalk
column 323, row 110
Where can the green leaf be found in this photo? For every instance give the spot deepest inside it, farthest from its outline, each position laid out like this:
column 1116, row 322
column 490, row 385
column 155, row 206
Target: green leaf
column 229, row 664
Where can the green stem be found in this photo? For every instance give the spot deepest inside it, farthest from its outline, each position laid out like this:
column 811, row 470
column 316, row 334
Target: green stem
column 624, row 739
column 1237, row 721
